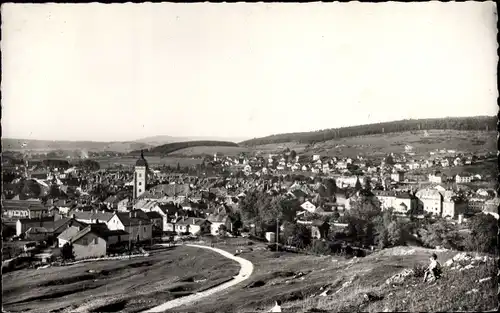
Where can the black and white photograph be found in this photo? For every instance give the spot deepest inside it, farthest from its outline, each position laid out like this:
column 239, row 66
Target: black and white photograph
column 249, row 157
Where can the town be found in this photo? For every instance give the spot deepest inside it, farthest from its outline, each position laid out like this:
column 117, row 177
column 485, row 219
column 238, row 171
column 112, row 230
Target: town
column 53, row 202
column 214, row 157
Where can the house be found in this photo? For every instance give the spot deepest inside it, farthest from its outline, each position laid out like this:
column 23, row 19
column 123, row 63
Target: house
column 93, row 240
column 123, row 205
column 404, row 203
column 397, row 176
column 341, row 165
column 386, row 199
column 138, row 227
column 457, row 162
column 436, row 178
column 316, row 157
column 308, row 206
column 463, row 178
column 491, row 206
column 193, row 226
column 156, row 221
column 430, row 200
column 216, row 222
column 319, row 229
column 247, row 169
column 92, row 216
column 445, row 163
column 453, row 207
column 31, row 208
column 23, row 224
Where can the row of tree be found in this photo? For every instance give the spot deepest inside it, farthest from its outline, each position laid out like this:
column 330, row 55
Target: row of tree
column 171, row 147
column 457, row 123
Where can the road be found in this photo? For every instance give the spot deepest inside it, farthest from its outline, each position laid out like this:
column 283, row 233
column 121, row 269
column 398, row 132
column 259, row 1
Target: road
column 245, row 272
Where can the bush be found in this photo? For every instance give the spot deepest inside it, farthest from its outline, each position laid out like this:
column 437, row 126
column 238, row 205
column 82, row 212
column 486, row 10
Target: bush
column 320, row 247
column 419, row 270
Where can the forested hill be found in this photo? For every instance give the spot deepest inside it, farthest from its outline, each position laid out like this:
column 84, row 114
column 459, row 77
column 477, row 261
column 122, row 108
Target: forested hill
column 452, row 123
column 171, row 147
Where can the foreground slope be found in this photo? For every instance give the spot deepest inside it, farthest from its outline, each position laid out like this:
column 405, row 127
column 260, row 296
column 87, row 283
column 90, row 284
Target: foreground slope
column 299, row 280
column 116, row 285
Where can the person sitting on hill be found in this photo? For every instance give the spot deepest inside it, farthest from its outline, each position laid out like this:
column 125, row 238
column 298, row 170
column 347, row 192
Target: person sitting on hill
column 276, row 307
column 434, row 269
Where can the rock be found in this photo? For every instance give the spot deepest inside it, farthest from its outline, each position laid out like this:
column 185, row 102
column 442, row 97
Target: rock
column 472, row 291
column 399, row 278
column 448, row 263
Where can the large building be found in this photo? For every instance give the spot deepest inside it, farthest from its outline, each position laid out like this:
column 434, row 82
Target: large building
column 140, row 176
column 430, row 200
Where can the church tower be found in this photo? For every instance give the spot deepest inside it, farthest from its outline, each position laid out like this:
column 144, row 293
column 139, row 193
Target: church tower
column 140, row 176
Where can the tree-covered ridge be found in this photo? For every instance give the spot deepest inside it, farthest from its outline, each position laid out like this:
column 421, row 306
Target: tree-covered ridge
column 171, row 147
column 450, row 123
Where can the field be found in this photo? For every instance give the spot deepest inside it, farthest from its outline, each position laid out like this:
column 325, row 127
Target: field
column 422, row 142
column 129, row 161
column 276, row 276
column 116, row 285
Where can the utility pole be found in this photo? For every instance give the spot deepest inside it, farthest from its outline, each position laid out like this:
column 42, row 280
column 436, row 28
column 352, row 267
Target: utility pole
column 277, row 232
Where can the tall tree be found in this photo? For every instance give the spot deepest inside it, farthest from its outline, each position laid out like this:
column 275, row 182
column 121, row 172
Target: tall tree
column 357, row 187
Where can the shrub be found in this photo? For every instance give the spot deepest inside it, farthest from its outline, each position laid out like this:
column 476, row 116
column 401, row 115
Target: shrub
column 419, row 270
column 320, row 247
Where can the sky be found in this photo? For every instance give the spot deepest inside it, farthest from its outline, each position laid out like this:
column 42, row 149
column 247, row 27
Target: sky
column 116, row 72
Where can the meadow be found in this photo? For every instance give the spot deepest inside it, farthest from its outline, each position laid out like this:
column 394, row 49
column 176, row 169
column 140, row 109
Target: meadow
column 129, row 285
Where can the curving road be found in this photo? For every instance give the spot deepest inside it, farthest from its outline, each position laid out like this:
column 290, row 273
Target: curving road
column 245, row 272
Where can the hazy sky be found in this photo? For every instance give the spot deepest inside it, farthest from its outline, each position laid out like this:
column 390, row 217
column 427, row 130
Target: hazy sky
column 121, row 72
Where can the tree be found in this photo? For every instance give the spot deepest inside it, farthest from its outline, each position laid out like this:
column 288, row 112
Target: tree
column 357, row 187
column 296, row 235
column 331, row 187
column 389, row 160
column 322, row 191
column 222, row 230
column 483, row 234
column 367, row 182
column 67, row 251
column 178, row 167
column 293, row 155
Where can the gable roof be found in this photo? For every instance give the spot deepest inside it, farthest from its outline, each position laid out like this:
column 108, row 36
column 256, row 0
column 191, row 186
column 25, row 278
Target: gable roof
column 127, row 220
column 154, row 215
column 101, row 216
column 192, row 221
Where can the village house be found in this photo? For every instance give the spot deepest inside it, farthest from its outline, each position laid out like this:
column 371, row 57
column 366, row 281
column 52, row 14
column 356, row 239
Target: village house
column 193, row 226
column 92, row 241
column 319, row 229
column 308, row 206
column 91, row 217
column 31, row 208
column 430, row 201
column 436, row 178
column 137, row 226
column 463, row 178
column 397, row 176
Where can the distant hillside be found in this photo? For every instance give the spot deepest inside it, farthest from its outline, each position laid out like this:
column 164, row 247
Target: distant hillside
column 51, row 145
column 161, row 140
column 450, row 123
column 171, row 147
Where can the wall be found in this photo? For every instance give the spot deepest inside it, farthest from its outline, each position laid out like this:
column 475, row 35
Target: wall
column 90, row 249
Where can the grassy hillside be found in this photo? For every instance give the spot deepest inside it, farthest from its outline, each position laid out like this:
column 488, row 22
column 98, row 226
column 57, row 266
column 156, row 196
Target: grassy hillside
column 171, row 147
column 277, row 275
column 129, row 285
column 51, row 145
column 422, row 142
column 487, row 123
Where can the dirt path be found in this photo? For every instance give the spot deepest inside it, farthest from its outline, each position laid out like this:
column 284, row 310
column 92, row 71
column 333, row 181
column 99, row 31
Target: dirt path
column 245, row 272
